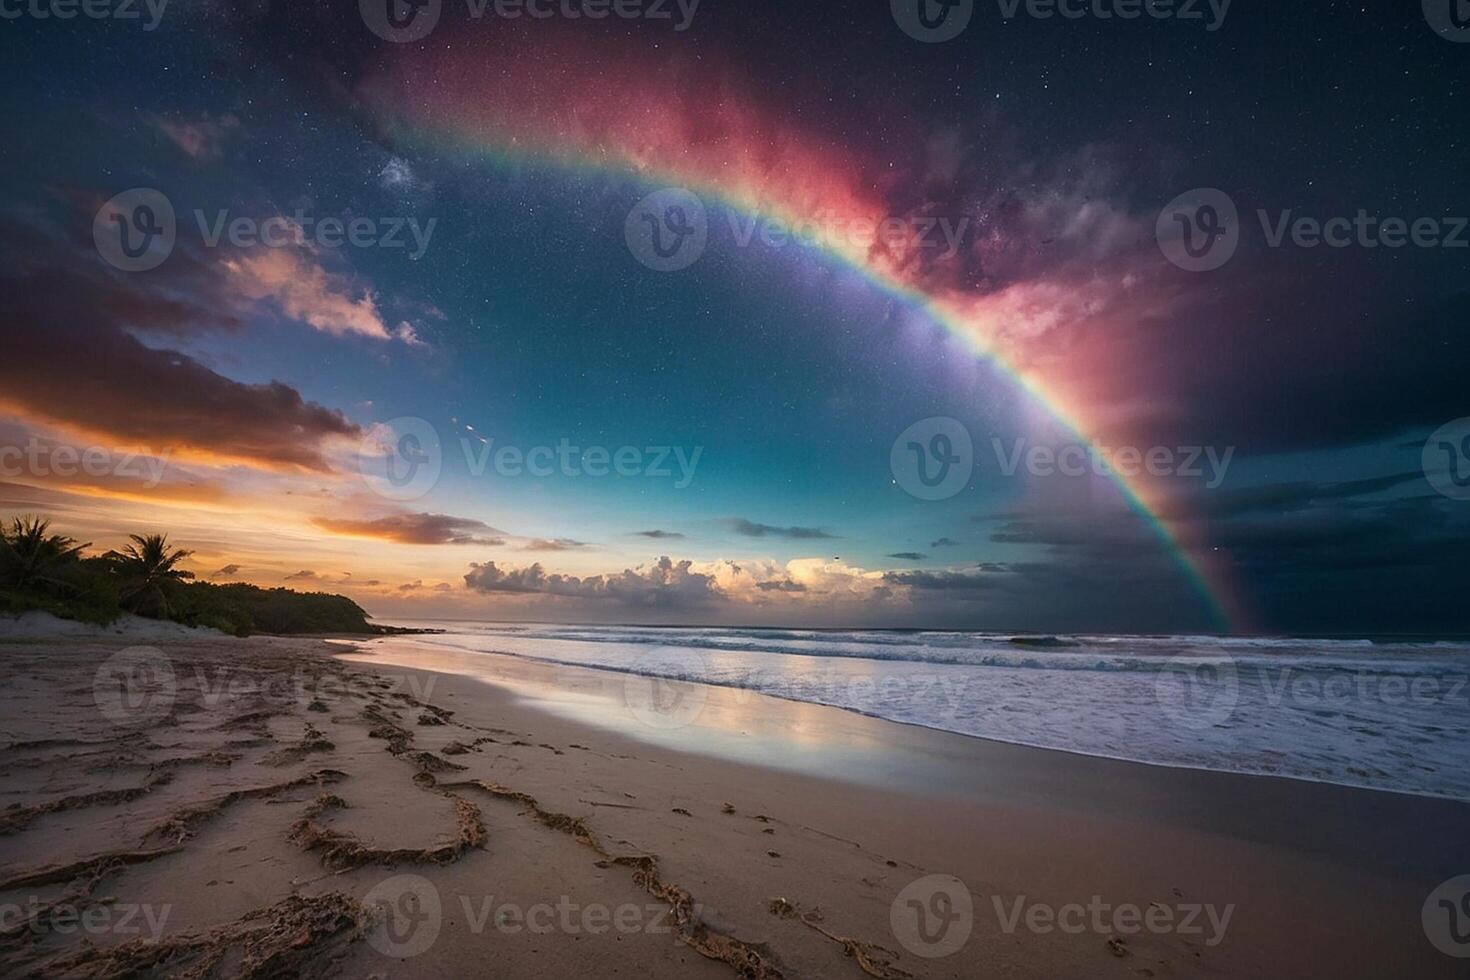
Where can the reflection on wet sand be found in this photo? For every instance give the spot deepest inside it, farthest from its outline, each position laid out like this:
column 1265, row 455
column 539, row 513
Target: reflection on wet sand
column 731, row 723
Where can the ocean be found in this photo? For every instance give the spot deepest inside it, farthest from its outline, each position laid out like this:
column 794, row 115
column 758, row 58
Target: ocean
column 1385, row 715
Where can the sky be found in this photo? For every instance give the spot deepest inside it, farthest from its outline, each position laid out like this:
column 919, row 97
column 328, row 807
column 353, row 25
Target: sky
column 854, row 315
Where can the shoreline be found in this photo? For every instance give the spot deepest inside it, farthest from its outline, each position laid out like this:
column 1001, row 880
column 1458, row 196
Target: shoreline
column 993, row 739
column 1115, row 780
column 1439, row 637
column 497, row 802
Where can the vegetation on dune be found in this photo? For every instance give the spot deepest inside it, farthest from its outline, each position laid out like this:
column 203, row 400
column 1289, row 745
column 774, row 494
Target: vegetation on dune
column 40, row 570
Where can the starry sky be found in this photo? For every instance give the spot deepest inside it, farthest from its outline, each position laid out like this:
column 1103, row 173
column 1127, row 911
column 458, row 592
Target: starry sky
column 498, row 398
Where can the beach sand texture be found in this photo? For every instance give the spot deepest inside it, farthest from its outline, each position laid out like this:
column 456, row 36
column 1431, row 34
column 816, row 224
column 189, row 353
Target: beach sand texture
column 264, row 808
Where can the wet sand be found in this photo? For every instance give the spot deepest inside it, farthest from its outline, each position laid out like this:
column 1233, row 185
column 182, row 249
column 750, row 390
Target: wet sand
column 403, row 813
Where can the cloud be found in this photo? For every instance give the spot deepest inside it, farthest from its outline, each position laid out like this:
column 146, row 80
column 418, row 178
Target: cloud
column 201, row 138
column 751, row 529
column 304, row 290
column 809, row 581
column 416, row 529
column 407, row 333
column 947, row 581
column 72, row 358
column 1279, row 498
column 229, row 571
column 662, row 584
column 305, row 575
column 1374, row 554
column 553, row 544
column 944, row 543
column 156, row 397
column 70, row 461
column 1394, row 565
column 908, row 556
column 658, row 535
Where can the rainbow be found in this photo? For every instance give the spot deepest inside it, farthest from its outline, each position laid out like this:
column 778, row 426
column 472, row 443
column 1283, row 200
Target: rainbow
column 632, row 121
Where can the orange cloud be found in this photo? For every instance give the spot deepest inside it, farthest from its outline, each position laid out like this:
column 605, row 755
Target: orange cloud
column 416, row 529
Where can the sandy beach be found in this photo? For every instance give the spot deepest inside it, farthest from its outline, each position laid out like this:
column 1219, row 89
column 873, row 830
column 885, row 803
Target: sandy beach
column 206, row 806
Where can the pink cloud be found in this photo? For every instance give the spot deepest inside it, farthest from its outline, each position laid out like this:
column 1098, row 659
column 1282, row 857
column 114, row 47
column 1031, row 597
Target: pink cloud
column 202, row 139
column 306, row 291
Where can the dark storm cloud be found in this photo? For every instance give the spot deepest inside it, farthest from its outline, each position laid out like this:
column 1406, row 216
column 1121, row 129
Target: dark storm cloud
column 417, row 529
column 1080, row 531
column 1369, row 555
column 1416, row 532
column 1279, row 498
column 941, row 581
column 751, row 529
column 1393, row 566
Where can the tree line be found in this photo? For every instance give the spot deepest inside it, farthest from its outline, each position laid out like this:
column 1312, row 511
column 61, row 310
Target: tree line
column 51, row 572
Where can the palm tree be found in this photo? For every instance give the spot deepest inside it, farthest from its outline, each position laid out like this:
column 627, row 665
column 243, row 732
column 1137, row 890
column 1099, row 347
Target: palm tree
column 147, row 569
column 31, row 557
